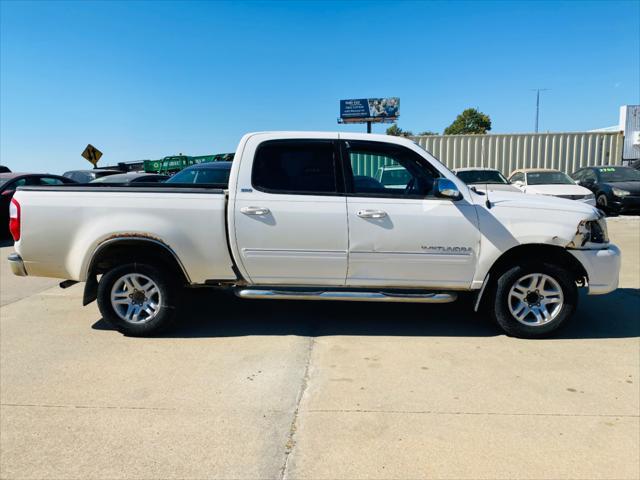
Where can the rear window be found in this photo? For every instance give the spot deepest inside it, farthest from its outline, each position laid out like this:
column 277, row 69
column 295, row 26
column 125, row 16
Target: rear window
column 50, row 181
column 300, row 166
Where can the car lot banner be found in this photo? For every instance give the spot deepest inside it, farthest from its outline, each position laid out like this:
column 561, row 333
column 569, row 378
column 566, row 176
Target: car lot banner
column 178, row 162
column 370, row 109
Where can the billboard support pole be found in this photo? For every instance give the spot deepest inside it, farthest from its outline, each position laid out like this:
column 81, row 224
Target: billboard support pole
column 368, row 127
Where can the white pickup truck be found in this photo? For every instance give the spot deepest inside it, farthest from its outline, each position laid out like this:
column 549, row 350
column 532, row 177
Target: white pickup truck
column 304, row 217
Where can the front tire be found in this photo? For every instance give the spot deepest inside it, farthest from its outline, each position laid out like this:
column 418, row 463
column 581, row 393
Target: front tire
column 138, row 299
column 534, row 300
column 602, row 202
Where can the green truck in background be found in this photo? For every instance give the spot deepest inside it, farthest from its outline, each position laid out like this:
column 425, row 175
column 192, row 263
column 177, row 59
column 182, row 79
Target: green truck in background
column 176, row 163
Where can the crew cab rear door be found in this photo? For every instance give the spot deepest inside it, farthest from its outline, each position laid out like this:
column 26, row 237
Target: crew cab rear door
column 289, row 211
column 400, row 234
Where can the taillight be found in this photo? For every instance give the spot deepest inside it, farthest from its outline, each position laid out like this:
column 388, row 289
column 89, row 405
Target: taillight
column 14, row 219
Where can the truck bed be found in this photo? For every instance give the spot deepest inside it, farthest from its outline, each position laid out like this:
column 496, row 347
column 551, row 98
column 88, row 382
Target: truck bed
column 189, row 220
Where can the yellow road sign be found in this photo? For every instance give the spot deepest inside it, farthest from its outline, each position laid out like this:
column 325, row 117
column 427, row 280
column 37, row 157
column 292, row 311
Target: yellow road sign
column 92, row 154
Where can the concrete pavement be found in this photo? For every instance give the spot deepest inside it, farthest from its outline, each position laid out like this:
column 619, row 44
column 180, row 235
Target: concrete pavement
column 251, row 389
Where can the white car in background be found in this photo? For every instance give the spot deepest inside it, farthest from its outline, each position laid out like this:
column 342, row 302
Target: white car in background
column 485, row 178
column 546, row 181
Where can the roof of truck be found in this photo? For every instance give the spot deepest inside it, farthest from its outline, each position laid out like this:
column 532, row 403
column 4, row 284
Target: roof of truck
column 343, row 135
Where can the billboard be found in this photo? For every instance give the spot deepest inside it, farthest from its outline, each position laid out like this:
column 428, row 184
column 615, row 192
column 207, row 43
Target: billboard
column 370, row 110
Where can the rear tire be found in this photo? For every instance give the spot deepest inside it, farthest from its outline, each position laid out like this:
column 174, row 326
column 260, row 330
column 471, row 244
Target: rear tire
column 534, row 300
column 138, row 299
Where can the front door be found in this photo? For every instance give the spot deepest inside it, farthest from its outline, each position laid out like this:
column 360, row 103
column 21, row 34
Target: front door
column 290, row 212
column 400, row 234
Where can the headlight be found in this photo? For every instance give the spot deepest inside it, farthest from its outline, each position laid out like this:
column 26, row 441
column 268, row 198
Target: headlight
column 620, row 193
column 598, row 230
column 591, row 196
column 590, row 231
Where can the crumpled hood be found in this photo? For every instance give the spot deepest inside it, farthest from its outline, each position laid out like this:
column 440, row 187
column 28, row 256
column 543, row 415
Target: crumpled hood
column 563, row 189
column 539, row 202
column 517, row 218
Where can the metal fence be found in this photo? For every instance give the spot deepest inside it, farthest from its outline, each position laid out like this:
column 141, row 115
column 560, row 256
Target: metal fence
column 563, row 151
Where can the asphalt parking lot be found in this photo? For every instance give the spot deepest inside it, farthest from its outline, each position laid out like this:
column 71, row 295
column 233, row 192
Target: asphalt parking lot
column 269, row 389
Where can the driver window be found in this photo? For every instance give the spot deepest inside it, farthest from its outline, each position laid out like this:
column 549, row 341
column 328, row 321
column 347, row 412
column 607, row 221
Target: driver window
column 388, row 172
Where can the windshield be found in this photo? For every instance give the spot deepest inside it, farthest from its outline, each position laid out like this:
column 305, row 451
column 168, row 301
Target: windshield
column 202, row 175
column 549, row 178
column 619, row 174
column 482, row 176
column 3, row 181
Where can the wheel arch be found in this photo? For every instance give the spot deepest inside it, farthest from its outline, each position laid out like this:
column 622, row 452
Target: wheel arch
column 120, row 250
column 523, row 253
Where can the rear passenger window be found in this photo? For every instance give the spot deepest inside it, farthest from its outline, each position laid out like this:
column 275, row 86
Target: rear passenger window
column 304, row 167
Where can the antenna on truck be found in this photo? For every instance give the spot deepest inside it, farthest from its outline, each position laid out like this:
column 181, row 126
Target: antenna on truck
column 486, row 191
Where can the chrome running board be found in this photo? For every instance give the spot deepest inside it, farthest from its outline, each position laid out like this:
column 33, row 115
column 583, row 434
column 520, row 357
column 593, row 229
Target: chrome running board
column 346, row 295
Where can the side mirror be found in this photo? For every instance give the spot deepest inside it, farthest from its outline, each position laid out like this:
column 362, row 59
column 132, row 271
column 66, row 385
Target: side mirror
column 519, row 183
column 445, row 188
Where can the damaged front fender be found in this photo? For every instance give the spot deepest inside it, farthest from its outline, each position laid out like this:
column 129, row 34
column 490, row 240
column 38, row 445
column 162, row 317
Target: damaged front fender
column 591, row 233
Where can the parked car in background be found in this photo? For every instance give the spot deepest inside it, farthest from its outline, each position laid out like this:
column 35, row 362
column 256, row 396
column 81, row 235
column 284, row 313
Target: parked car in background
column 133, row 177
column 86, row 176
column 617, row 189
column 490, row 178
column 214, row 173
column 543, row 181
column 8, row 184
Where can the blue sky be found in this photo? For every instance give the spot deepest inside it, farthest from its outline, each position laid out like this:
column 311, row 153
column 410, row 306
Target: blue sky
column 149, row 79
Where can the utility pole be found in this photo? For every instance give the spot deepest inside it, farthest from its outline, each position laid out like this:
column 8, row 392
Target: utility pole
column 538, row 90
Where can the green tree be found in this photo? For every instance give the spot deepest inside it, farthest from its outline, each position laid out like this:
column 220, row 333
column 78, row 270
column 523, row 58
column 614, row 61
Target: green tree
column 470, row 121
column 396, row 131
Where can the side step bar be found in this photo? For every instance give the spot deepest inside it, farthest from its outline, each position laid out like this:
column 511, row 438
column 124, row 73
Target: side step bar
column 353, row 296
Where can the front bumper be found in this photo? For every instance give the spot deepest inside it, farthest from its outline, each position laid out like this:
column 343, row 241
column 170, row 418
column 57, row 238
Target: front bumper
column 17, row 265
column 602, row 266
column 628, row 204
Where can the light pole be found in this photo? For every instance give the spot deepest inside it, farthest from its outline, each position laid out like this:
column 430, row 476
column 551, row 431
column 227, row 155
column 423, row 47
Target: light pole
column 538, row 90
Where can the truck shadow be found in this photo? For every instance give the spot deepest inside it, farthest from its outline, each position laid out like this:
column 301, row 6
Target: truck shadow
column 215, row 314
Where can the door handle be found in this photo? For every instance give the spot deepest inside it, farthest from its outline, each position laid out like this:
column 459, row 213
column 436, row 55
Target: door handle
column 254, row 210
column 372, row 214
